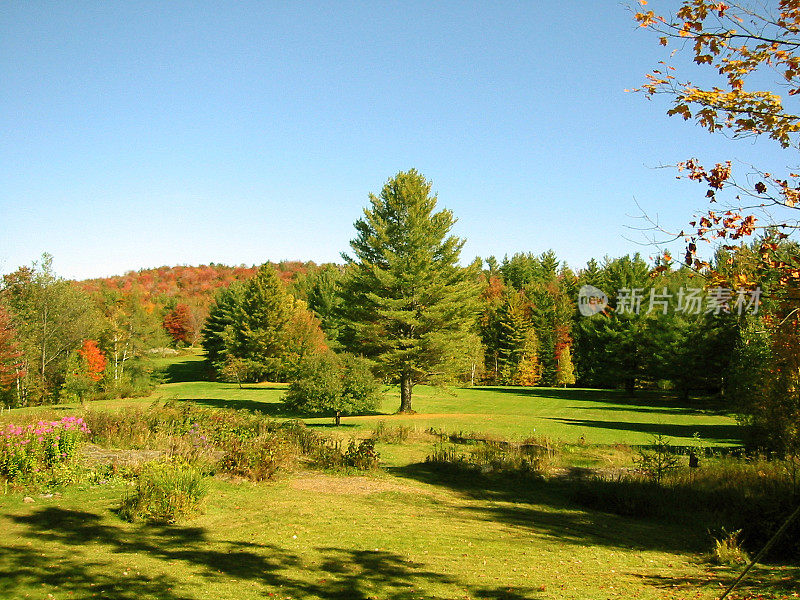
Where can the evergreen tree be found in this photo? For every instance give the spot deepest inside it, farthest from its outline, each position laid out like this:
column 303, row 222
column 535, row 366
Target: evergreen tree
column 259, row 331
column 410, row 306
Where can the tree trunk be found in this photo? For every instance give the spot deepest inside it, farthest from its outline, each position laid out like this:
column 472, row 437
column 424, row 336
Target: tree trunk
column 338, row 418
column 405, row 393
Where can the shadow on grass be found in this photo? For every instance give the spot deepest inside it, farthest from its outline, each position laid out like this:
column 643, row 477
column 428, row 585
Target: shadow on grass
column 730, row 434
column 186, row 371
column 546, row 507
column 644, row 400
column 74, row 550
column 779, row 580
column 273, row 409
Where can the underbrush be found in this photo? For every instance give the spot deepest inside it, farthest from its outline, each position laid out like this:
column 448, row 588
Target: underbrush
column 752, row 496
column 239, row 443
column 528, row 459
column 390, row 435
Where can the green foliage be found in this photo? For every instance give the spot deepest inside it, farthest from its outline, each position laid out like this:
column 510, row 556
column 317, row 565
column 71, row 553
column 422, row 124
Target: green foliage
column 52, row 317
column 333, row 384
column 165, row 493
column 409, row 305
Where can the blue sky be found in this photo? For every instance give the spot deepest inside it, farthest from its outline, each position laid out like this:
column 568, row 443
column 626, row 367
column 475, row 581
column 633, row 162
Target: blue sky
column 141, row 134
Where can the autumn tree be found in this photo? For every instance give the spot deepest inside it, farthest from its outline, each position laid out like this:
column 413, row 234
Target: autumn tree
column 565, row 375
column 411, row 307
column 179, row 323
column 84, row 371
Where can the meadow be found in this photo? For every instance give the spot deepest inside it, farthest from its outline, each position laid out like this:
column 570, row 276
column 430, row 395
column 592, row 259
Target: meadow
column 403, row 531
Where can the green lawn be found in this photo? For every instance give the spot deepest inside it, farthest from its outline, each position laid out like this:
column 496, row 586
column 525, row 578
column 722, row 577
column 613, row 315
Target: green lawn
column 596, row 416
column 323, row 536
column 403, row 533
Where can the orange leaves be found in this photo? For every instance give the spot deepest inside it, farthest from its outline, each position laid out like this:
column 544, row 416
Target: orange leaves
column 732, row 106
column 95, row 359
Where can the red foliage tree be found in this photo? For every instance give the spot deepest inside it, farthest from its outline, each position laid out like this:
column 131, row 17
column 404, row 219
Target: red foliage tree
column 95, row 359
column 179, row 323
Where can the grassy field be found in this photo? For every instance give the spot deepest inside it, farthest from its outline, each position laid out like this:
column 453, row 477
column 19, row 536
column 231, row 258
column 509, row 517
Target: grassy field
column 592, row 416
column 402, row 533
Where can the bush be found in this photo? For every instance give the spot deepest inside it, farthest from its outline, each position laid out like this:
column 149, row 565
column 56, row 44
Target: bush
column 362, row 456
column 257, row 459
column 334, row 385
column 165, row 493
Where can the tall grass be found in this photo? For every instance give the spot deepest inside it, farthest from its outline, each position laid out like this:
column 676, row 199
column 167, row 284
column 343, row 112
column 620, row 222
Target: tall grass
column 165, row 493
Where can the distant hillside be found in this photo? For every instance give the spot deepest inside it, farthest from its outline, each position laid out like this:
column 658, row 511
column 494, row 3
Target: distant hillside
column 184, row 292
column 194, row 285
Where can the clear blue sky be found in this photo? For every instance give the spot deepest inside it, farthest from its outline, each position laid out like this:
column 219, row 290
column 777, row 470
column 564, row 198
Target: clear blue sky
column 141, row 134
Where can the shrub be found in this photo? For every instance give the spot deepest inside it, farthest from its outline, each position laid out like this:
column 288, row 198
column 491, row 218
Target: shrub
column 362, row 456
column 257, row 459
column 334, row 385
column 728, row 549
column 165, row 493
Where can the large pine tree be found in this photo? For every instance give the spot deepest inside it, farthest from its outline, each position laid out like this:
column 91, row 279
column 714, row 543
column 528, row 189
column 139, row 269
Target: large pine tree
column 410, row 306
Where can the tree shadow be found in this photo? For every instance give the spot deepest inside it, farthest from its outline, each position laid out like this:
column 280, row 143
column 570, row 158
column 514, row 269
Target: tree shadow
column 186, row 371
column 343, row 573
column 643, row 399
column 783, row 580
column 528, row 503
column 730, row 434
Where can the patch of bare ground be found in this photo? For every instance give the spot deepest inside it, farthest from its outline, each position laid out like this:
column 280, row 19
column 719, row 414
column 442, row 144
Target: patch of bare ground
column 357, row 485
column 95, row 455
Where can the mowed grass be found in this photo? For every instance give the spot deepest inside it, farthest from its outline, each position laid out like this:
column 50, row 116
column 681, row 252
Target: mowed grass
column 325, row 536
column 569, row 415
